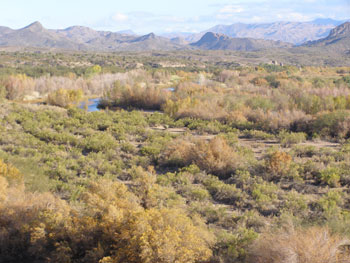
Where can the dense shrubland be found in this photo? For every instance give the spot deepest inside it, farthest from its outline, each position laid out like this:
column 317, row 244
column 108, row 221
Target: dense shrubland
column 314, row 101
column 228, row 166
column 88, row 182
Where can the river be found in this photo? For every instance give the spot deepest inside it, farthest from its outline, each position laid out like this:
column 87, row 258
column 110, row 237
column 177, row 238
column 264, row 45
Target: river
column 92, row 105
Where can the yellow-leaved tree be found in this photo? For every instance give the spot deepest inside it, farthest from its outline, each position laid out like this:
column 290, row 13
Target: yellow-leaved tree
column 165, row 235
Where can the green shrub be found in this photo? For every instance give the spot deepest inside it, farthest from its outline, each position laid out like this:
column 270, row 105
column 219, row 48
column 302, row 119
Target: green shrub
column 331, row 202
column 264, row 194
column 98, row 142
column 330, row 176
column 256, row 134
column 234, row 246
column 334, row 124
column 273, row 82
column 196, row 193
column 222, row 192
column 289, row 138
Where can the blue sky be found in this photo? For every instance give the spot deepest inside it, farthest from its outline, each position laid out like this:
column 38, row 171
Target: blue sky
column 159, row 16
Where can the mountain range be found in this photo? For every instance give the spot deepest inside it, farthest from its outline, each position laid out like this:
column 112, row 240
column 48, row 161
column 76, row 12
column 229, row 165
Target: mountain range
column 82, row 38
column 292, row 32
column 249, row 38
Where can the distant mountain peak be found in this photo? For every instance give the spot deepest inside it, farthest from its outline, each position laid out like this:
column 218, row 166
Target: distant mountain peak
column 150, row 36
column 340, row 31
column 211, row 36
column 35, row 27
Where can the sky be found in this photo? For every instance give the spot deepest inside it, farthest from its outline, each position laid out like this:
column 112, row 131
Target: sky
column 162, row 16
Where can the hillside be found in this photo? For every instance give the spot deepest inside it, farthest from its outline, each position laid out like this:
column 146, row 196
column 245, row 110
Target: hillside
column 214, row 41
column 338, row 39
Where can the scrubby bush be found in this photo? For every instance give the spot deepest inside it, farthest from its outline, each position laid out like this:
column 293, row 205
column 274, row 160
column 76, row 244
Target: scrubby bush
column 260, row 135
column 331, row 202
column 330, row 176
column 278, row 165
column 215, row 156
column 265, row 194
column 222, row 192
column 65, row 98
column 335, row 124
column 312, row 245
column 289, row 138
column 233, row 246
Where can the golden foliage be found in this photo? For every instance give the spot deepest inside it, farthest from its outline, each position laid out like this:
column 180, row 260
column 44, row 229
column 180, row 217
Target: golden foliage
column 3, row 189
column 164, row 235
column 278, row 163
column 64, row 97
column 108, row 225
column 10, row 173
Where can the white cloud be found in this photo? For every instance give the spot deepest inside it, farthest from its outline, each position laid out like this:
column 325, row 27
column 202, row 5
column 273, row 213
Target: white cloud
column 231, row 9
column 293, row 16
column 119, row 17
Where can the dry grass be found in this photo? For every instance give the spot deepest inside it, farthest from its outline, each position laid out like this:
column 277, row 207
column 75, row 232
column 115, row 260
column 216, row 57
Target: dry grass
column 313, row 245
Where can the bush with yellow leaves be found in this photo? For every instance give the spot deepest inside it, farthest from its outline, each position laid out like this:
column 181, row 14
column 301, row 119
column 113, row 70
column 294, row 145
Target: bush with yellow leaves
column 65, row 98
column 107, row 225
column 278, row 164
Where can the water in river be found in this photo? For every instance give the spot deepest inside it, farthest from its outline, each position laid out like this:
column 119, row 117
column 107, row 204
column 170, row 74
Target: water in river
column 91, row 105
